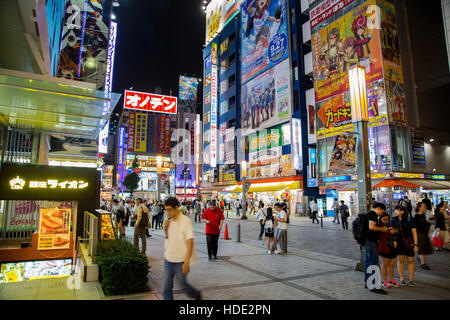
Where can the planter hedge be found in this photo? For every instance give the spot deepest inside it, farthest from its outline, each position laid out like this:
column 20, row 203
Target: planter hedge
column 123, row 268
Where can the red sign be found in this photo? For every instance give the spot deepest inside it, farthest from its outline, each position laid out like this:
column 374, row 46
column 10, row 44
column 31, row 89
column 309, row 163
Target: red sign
column 131, row 122
column 137, row 170
column 326, row 9
column 150, row 102
column 164, row 138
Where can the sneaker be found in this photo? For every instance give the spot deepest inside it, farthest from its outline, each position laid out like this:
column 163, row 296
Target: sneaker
column 425, row 267
column 379, row 291
column 394, row 283
column 277, row 252
column 269, row 252
column 411, row 284
column 385, row 285
column 209, row 258
column 403, row 283
column 199, row 297
column 215, row 257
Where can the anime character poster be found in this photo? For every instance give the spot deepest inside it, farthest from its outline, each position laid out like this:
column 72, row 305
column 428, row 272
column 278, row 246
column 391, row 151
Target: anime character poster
column 218, row 14
column 188, row 88
column 352, row 39
column 396, row 103
column 343, row 156
column 266, row 99
column 84, row 42
column 264, row 35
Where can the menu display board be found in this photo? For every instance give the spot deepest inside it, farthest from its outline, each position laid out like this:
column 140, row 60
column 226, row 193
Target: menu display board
column 33, row 270
column 54, row 229
column 106, row 230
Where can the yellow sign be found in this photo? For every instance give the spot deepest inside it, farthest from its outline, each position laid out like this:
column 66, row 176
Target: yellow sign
column 18, row 184
column 54, row 229
column 408, row 175
column 325, row 133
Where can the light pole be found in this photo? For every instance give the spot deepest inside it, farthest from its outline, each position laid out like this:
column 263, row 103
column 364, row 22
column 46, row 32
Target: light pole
column 186, row 175
column 360, row 116
column 244, row 187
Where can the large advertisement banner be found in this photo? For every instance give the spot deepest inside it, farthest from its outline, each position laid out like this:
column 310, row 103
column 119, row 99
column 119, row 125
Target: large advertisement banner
column 54, row 229
column 393, row 74
column 140, row 136
column 218, row 14
column 188, row 88
column 266, row 99
column 264, row 35
column 131, row 123
column 164, row 135
column 343, row 156
column 350, row 40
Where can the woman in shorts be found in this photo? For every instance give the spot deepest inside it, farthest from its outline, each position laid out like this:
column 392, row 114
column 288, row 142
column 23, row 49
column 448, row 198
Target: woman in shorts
column 387, row 249
column 269, row 227
column 407, row 243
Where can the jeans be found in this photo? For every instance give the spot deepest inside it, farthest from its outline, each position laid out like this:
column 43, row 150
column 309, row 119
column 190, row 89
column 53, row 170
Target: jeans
column 173, row 270
column 261, row 224
column 160, row 221
column 139, row 232
column 237, row 211
column 344, row 223
column 197, row 215
column 314, row 215
column 155, row 221
column 336, row 217
column 281, row 239
column 371, row 256
column 212, row 244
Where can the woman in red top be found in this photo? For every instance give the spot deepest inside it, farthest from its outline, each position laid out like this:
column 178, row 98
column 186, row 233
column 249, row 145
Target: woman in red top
column 387, row 245
column 214, row 218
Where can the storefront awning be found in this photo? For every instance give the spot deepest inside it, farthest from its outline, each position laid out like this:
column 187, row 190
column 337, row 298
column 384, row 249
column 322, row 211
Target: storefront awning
column 431, row 185
column 53, row 105
column 389, row 183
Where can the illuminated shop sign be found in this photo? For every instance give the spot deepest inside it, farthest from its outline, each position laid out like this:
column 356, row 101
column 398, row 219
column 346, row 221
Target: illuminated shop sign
column 18, row 184
column 188, row 191
column 214, row 116
column 408, row 175
column 337, row 179
column 150, row 102
column 438, row 177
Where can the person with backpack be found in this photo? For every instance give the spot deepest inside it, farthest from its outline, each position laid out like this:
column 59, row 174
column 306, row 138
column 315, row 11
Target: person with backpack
column 345, row 213
column 366, row 232
column 142, row 222
column 387, row 249
column 406, row 203
column 260, row 217
column 408, row 244
column 269, row 226
column 281, row 219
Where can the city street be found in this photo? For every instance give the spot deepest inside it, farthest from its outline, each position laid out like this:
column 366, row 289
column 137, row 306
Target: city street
column 320, row 265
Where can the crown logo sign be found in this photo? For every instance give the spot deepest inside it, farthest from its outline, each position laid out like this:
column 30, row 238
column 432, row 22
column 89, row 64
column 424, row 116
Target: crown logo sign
column 17, row 183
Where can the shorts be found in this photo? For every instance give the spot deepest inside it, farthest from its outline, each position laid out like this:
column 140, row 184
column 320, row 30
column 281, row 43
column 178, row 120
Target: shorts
column 269, row 234
column 402, row 251
column 391, row 255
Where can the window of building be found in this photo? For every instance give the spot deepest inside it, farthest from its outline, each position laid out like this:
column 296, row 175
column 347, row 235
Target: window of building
column 294, row 42
column 296, row 102
column 231, row 80
column 223, row 107
column 292, row 16
column 294, row 64
column 231, row 123
column 400, row 149
column 232, row 101
column 231, row 59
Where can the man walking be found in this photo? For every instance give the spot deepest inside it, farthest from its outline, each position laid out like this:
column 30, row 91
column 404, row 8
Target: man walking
column 314, row 211
column 261, row 215
column 197, row 211
column 371, row 242
column 214, row 218
column 281, row 218
column 345, row 213
column 179, row 251
column 142, row 223
column 427, row 202
column 335, row 208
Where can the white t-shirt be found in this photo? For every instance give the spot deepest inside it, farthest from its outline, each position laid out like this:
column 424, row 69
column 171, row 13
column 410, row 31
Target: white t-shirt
column 314, row 207
column 281, row 215
column 260, row 216
column 179, row 232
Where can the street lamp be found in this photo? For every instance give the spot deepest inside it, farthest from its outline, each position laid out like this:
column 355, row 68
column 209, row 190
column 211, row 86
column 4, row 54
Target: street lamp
column 244, row 187
column 360, row 116
column 186, row 175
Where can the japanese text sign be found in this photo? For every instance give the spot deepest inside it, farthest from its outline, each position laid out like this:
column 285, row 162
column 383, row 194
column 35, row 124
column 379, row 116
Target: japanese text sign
column 150, row 102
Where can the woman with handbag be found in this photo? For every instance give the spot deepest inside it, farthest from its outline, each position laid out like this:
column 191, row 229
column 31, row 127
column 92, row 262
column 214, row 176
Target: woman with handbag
column 441, row 226
column 423, row 230
column 407, row 243
column 387, row 249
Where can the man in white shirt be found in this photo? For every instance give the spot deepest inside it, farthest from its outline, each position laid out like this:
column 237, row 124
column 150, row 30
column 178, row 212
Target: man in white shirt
column 314, row 211
column 179, row 251
column 260, row 216
column 282, row 228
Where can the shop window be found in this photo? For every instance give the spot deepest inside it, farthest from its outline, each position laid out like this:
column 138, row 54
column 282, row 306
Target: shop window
column 400, row 146
column 379, row 149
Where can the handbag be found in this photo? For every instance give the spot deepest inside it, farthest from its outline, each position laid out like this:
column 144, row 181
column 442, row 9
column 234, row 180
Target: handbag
column 438, row 241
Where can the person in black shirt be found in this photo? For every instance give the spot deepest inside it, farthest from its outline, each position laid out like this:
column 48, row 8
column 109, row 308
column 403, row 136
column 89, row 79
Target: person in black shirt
column 429, row 206
column 407, row 243
column 423, row 229
column 371, row 243
column 441, row 226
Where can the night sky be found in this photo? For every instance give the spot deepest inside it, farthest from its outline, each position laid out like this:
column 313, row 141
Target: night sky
column 157, row 41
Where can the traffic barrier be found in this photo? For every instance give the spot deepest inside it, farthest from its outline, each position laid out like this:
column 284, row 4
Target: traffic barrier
column 225, row 233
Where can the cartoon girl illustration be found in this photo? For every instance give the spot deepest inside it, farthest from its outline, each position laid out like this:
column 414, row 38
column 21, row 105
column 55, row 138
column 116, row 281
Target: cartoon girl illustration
column 361, row 41
column 350, row 56
column 259, row 17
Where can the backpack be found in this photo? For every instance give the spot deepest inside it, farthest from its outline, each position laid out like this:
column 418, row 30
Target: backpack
column 360, row 228
column 268, row 226
column 346, row 212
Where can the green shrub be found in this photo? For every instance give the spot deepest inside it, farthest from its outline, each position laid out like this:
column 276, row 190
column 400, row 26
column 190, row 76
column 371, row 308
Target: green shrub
column 123, row 268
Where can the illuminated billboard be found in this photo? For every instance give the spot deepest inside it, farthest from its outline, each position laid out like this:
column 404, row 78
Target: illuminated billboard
column 218, row 14
column 264, row 34
column 188, row 88
column 142, row 101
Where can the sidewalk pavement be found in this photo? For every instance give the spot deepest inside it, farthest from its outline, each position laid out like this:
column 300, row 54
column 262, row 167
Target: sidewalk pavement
column 244, row 271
